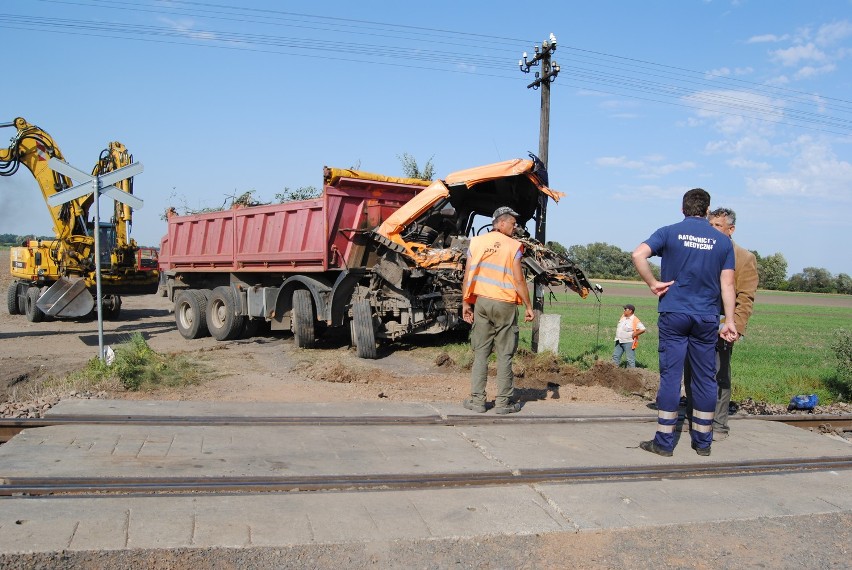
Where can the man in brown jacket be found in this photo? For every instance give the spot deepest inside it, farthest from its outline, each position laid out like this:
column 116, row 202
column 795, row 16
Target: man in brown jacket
column 745, row 282
column 745, row 279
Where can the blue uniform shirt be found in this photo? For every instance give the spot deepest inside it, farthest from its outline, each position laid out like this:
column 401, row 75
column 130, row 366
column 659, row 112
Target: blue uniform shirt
column 694, row 253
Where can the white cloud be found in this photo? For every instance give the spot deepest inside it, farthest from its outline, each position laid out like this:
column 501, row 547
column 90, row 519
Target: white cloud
column 746, row 164
column 736, row 111
column 645, row 168
column 809, row 71
column 830, row 34
column 750, row 144
column 721, row 72
column 619, row 162
column 184, row 28
column 767, row 38
column 814, row 173
column 792, row 56
column 650, row 193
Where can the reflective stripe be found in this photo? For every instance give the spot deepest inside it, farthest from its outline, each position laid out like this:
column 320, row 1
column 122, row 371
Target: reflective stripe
column 701, row 427
column 702, row 415
column 501, row 284
column 666, row 415
column 665, row 429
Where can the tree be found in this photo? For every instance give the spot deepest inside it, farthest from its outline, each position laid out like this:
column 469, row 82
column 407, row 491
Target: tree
column 843, row 283
column 771, row 270
column 603, row 261
column 301, row 193
column 557, row 248
column 411, row 170
column 814, row 279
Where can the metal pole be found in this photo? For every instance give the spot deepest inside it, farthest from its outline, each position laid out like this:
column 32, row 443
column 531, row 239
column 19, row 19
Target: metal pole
column 96, row 182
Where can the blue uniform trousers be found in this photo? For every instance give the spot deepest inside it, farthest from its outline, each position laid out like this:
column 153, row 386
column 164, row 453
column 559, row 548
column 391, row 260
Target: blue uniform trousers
column 692, row 338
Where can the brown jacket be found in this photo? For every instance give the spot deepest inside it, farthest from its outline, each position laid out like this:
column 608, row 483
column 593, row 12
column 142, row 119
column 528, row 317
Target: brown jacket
column 746, row 278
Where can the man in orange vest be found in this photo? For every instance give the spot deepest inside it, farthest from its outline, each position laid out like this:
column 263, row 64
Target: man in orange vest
column 494, row 286
column 627, row 336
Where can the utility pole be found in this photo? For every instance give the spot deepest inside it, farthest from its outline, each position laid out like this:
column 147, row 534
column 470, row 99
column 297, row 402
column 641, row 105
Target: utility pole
column 543, row 79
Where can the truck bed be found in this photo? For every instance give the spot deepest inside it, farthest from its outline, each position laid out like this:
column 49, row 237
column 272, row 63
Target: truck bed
column 294, row 237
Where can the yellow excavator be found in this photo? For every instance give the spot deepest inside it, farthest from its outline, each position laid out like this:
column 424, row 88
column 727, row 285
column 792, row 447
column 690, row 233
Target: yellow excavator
column 58, row 277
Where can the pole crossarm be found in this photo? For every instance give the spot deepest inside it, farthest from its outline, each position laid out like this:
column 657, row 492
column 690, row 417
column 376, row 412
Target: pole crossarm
column 541, row 58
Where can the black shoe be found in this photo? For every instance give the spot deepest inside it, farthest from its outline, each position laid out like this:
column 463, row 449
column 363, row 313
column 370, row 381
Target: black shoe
column 654, row 448
column 510, row 409
column 702, row 451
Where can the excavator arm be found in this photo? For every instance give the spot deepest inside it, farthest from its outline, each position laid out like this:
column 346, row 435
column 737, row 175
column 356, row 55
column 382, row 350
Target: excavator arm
column 33, row 148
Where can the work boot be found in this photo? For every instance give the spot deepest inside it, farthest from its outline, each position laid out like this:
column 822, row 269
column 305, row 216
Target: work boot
column 702, row 451
column 720, row 435
column 473, row 406
column 510, row 409
column 654, row 448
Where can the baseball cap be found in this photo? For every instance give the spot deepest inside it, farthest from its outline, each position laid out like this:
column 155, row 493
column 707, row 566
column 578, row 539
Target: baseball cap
column 503, row 210
column 631, row 307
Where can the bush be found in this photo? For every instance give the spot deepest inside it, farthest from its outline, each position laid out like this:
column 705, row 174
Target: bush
column 842, row 347
column 138, row 367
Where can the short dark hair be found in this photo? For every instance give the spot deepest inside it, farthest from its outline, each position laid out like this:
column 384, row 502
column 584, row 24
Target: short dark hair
column 726, row 213
column 696, row 202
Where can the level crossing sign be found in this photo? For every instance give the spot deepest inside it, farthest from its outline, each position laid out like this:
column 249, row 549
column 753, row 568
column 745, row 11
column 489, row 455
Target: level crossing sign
column 96, row 185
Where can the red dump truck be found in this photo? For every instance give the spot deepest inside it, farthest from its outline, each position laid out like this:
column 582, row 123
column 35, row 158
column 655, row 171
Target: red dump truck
column 383, row 255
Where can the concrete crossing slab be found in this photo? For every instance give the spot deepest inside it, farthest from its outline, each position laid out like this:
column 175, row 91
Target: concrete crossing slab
column 119, row 523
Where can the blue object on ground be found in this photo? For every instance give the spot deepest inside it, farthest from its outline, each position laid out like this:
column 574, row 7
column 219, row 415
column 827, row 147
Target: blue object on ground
column 803, row 402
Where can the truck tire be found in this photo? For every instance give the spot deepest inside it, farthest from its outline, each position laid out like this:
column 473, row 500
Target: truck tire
column 12, row 299
column 304, row 321
column 191, row 314
column 362, row 327
column 112, row 307
column 34, row 314
column 222, row 319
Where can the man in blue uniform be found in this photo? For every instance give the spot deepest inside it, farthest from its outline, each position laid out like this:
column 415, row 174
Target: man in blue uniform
column 697, row 269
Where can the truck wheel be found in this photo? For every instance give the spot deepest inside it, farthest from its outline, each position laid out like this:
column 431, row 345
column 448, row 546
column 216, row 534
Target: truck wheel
column 364, row 333
column 191, row 314
column 34, row 314
column 304, row 321
column 222, row 319
column 112, row 307
column 12, row 299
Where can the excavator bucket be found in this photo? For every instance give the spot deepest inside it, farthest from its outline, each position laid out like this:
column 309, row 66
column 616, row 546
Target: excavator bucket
column 67, row 298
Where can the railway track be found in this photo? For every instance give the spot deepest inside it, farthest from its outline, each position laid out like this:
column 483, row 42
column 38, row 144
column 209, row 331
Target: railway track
column 147, row 486
column 9, row 427
column 158, row 485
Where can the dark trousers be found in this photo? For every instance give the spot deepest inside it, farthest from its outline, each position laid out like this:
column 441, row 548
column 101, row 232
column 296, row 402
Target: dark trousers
column 687, row 338
column 724, row 350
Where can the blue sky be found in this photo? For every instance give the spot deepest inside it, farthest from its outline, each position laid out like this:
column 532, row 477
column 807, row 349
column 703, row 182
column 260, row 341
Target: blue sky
column 751, row 100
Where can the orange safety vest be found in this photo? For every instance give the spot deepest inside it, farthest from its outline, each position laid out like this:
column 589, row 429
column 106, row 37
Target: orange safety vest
column 636, row 322
column 489, row 268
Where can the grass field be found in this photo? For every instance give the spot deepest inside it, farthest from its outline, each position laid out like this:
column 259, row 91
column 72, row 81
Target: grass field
column 786, row 350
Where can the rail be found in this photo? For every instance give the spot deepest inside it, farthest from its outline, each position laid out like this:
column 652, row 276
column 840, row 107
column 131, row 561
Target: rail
column 98, row 486
column 9, row 427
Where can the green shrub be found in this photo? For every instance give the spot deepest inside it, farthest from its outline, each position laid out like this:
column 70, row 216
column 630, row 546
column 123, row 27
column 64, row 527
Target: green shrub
column 138, row 367
column 842, row 347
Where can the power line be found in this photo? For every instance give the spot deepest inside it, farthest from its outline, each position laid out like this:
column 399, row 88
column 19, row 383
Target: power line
column 632, row 78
